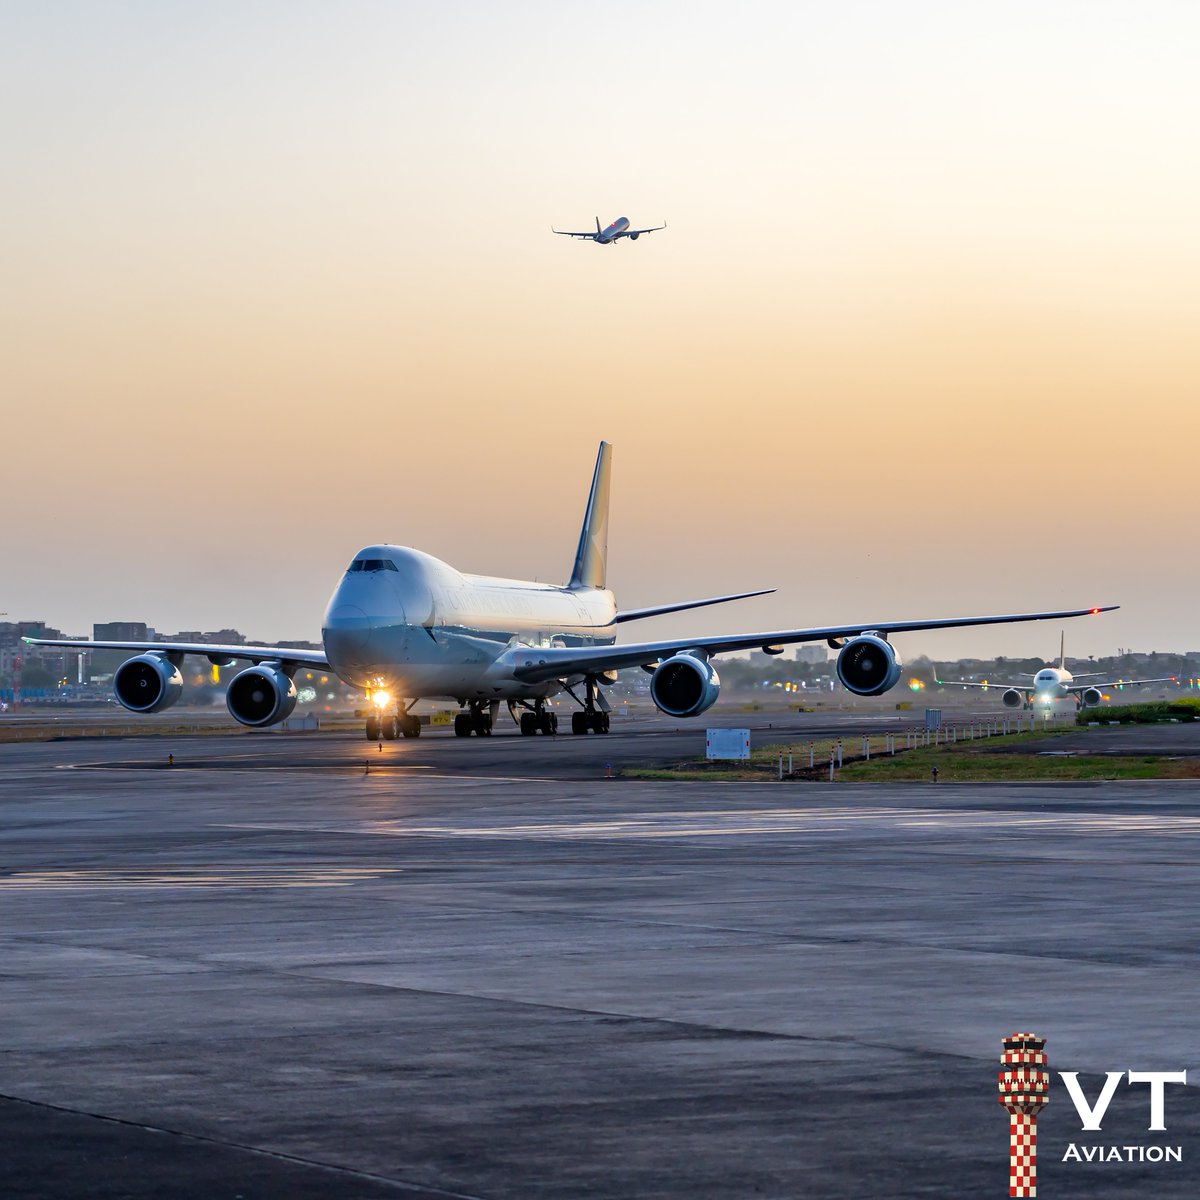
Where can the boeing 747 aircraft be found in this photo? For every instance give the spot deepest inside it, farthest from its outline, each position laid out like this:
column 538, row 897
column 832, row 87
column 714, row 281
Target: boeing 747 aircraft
column 1054, row 683
column 610, row 234
column 404, row 625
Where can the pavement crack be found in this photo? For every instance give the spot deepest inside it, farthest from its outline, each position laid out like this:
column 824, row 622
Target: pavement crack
column 401, row 1185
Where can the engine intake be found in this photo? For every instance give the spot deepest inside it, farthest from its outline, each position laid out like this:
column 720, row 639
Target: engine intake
column 1091, row 696
column 685, row 686
column 868, row 665
column 1013, row 698
column 262, row 695
column 148, row 683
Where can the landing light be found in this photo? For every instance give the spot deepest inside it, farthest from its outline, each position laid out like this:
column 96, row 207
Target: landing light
column 380, row 699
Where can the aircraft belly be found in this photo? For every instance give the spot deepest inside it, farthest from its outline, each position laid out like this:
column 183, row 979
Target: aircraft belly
column 435, row 664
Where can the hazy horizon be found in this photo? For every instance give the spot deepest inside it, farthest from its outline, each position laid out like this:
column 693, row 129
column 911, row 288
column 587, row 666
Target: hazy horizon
column 919, row 340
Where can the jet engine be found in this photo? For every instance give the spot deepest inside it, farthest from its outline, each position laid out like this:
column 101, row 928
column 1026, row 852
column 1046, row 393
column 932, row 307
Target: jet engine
column 685, row 686
column 868, row 665
column 1012, row 698
column 262, row 695
column 148, row 683
column 633, row 237
column 1091, row 696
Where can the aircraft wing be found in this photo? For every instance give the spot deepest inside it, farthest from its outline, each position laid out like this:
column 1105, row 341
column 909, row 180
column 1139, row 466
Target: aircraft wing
column 637, row 614
column 1116, row 683
column 1019, row 687
column 536, row 665
column 652, row 229
column 215, row 654
column 568, row 233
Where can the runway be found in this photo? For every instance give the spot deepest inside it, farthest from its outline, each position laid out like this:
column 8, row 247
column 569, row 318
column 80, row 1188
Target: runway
column 484, row 971
column 647, row 739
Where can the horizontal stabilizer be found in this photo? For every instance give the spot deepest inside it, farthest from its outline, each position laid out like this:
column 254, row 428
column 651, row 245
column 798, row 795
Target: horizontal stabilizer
column 637, row 614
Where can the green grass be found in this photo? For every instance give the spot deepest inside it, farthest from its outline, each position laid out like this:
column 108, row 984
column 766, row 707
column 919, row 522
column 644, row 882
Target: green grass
column 1186, row 708
column 984, row 767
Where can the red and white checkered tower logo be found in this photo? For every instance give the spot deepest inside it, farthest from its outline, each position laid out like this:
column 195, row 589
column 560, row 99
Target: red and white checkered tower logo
column 1024, row 1088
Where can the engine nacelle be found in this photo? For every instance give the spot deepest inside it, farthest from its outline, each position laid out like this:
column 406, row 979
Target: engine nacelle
column 262, row 695
column 633, row 237
column 868, row 665
column 685, row 686
column 1013, row 698
column 1091, row 696
column 148, row 683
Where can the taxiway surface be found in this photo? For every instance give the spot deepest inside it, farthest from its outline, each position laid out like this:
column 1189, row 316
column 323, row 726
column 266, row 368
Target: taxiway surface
column 482, row 972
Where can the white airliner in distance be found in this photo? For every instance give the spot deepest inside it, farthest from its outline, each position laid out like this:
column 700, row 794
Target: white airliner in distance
column 1054, row 683
column 611, row 233
column 404, row 626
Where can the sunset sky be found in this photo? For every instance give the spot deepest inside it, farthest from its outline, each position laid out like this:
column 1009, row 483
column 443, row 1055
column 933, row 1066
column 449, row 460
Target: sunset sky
column 922, row 337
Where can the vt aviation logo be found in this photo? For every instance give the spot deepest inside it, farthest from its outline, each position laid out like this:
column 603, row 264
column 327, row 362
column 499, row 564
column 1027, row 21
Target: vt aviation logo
column 1024, row 1092
column 1024, row 1084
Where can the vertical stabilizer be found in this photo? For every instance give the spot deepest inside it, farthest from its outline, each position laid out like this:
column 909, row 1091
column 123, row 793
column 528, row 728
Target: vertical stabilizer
column 1062, row 650
column 591, row 559
column 598, row 229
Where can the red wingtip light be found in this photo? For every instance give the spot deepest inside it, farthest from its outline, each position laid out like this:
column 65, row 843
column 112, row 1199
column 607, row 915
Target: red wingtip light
column 1095, row 610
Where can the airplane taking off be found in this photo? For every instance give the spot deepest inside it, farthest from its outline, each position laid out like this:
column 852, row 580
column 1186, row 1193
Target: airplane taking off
column 404, row 626
column 1053, row 683
column 607, row 236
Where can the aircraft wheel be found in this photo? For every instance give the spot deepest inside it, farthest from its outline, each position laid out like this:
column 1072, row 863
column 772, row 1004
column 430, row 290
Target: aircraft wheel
column 410, row 727
column 529, row 724
column 388, row 729
column 462, row 725
column 372, row 729
column 481, row 723
column 548, row 723
column 599, row 722
column 579, row 722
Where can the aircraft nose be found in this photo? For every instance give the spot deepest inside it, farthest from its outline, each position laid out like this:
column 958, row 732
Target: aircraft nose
column 347, row 631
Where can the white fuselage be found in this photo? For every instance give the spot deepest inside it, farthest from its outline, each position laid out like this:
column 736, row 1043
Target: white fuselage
column 609, row 233
column 406, row 621
column 1052, row 683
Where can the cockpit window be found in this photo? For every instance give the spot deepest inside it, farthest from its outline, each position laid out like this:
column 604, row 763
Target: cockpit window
column 372, row 564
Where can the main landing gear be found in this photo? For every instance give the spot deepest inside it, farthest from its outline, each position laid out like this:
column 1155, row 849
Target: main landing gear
column 535, row 720
column 476, row 720
column 595, row 716
column 589, row 722
column 386, row 727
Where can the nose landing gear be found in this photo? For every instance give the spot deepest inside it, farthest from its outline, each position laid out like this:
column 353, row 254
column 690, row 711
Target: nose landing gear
column 386, row 727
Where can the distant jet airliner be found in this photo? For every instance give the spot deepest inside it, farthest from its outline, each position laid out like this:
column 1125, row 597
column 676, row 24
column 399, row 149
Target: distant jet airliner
column 1054, row 683
column 618, row 229
column 404, row 625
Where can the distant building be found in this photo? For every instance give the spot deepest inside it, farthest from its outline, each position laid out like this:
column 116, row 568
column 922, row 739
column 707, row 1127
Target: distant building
column 213, row 637
column 58, row 663
column 122, row 631
column 813, row 655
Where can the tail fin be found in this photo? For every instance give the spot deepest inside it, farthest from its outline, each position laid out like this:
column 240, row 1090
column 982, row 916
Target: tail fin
column 598, row 229
column 591, row 559
column 1062, row 650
